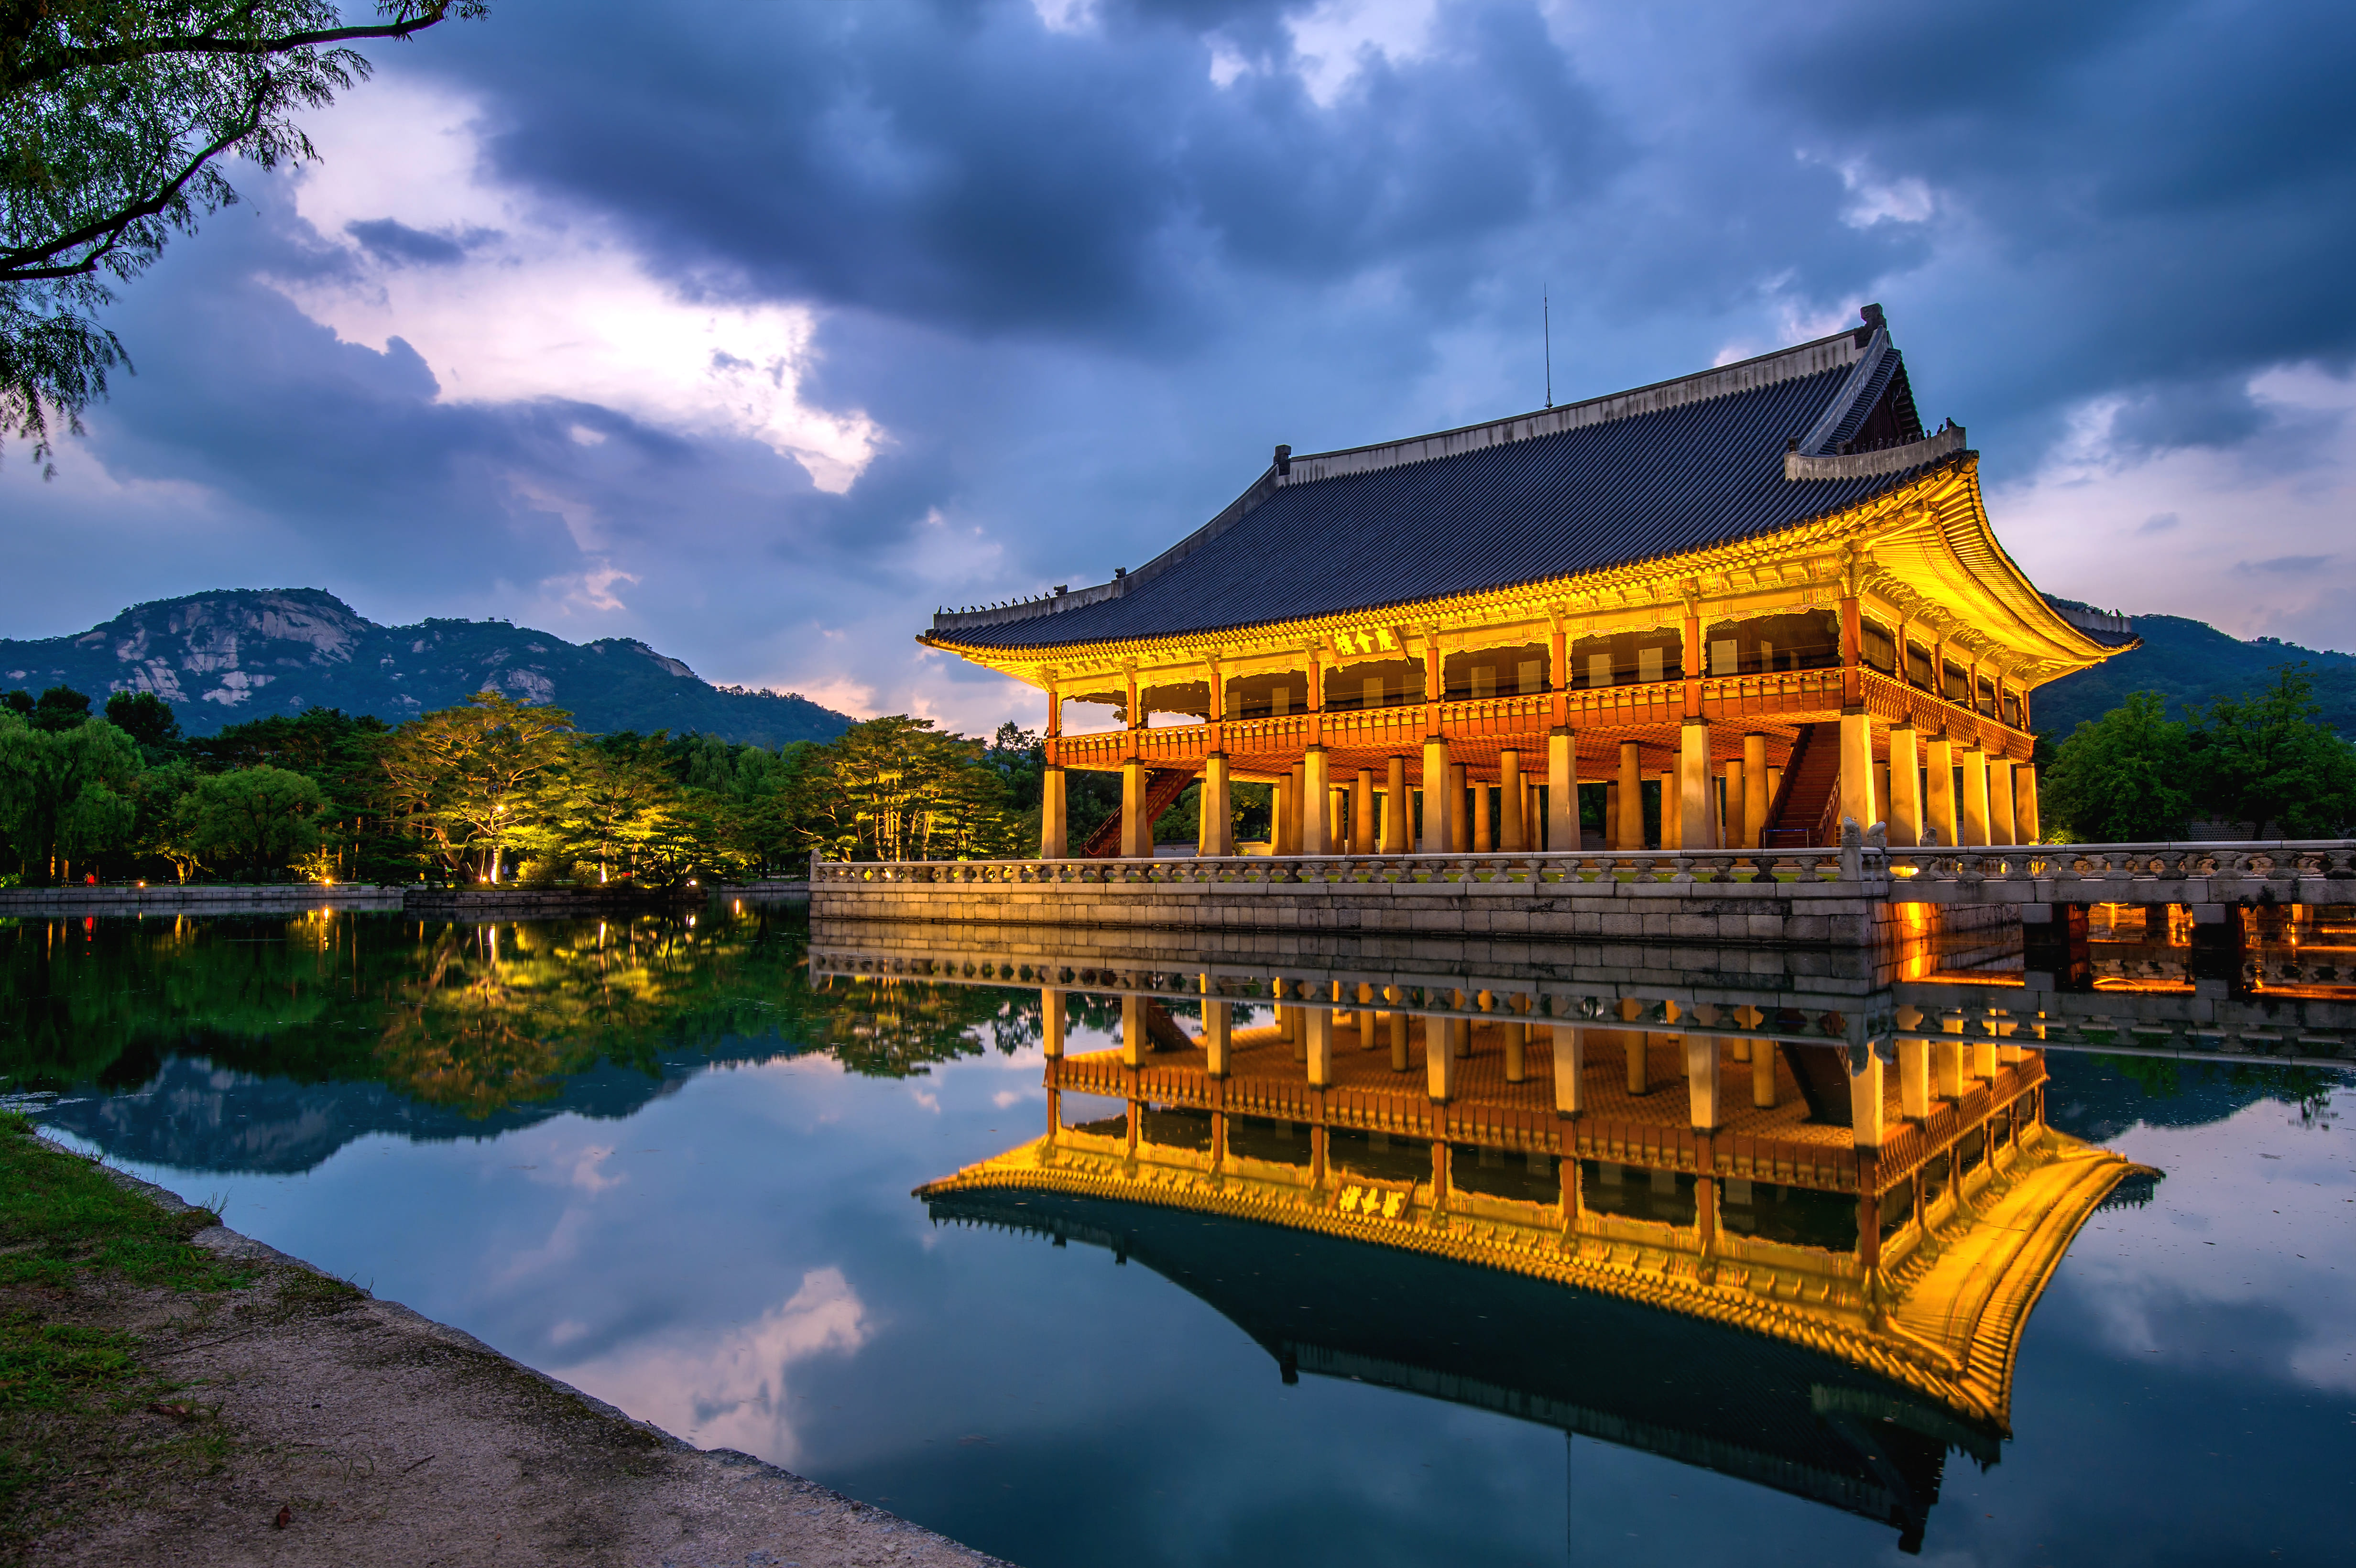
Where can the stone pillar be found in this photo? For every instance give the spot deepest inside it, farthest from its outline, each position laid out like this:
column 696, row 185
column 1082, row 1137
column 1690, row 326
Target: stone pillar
column 1856, row 768
column 1562, row 791
column 1511, row 835
column 1398, row 832
column 2000, row 824
column 1939, row 813
column 1134, row 1042
column 1974, row 807
column 1439, row 1060
column 1053, row 843
column 1051, row 1022
column 1218, row 834
column 1906, row 788
column 1758, row 791
column 1459, row 827
column 1361, row 812
column 1701, row 1081
column 1136, row 833
column 1280, row 812
column 1483, row 838
column 1316, row 800
column 1865, row 1097
column 1436, row 769
column 1630, row 825
column 2024, row 803
column 1317, row 1025
column 1517, row 1043
column 1737, row 835
column 1914, row 1078
column 1218, row 1037
column 1697, row 814
column 1763, row 1074
column 1569, row 1060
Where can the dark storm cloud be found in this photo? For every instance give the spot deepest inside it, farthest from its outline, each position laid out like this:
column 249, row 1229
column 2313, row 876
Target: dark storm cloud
column 389, row 239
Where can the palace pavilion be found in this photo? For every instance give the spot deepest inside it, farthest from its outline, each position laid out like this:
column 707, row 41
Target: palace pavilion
column 1739, row 607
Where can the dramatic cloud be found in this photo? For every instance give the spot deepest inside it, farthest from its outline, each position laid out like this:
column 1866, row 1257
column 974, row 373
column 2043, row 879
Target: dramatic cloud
column 758, row 332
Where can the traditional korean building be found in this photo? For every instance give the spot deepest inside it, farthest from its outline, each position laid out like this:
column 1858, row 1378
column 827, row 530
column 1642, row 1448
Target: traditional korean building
column 1740, row 605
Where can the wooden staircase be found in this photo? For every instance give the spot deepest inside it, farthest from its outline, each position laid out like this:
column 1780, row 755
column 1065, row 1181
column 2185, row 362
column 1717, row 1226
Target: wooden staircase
column 1163, row 788
column 1811, row 786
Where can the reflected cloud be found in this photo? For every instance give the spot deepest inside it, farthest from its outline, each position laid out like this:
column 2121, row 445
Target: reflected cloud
column 731, row 1390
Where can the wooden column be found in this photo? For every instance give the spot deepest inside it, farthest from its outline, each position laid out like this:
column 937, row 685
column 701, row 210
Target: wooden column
column 1939, row 815
column 1459, row 827
column 1906, row 788
column 1484, row 835
column 1362, row 812
column 1630, row 825
column 1673, row 816
column 1511, row 835
column 1738, row 831
column 1398, row 829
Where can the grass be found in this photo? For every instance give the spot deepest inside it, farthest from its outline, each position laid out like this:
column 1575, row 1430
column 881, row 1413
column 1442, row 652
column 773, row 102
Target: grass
column 76, row 1401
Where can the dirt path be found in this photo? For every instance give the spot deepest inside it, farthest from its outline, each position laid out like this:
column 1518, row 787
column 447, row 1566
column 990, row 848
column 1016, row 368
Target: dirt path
column 390, row 1439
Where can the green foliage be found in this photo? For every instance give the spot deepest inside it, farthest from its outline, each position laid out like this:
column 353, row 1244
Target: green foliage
column 146, row 718
column 116, row 117
column 2268, row 760
column 64, row 794
column 2137, row 777
column 2122, row 779
column 61, row 708
column 896, row 789
column 258, row 821
column 464, row 778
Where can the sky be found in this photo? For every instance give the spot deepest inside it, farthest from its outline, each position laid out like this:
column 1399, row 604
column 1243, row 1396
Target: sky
column 758, row 331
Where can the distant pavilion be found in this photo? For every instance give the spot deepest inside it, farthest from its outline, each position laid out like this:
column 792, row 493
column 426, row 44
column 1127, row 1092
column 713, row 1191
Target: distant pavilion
column 1747, row 604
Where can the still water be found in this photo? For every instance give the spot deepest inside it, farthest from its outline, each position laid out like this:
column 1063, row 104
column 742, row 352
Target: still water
column 656, row 1159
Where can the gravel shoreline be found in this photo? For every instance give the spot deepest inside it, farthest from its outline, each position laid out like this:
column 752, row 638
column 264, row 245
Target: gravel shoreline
column 387, row 1438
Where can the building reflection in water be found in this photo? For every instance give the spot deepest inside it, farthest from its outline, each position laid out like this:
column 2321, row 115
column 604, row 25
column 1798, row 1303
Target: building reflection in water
column 1776, row 1222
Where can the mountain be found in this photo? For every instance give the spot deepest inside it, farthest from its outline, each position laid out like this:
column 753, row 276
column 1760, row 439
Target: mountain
column 2191, row 662
column 223, row 659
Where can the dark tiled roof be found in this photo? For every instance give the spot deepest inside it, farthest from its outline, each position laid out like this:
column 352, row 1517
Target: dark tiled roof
column 1685, row 466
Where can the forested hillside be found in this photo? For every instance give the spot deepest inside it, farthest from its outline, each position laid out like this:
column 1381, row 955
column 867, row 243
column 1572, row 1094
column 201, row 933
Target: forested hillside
column 2191, row 662
column 231, row 656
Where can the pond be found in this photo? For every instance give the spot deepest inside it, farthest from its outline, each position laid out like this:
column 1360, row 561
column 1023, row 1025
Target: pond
column 676, row 1163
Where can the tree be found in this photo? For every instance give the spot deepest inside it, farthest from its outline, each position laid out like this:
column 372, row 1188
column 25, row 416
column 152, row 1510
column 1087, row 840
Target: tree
column 64, row 794
column 2122, row 779
column 263, row 819
column 601, row 808
column 146, row 718
column 466, row 778
column 61, row 708
column 897, row 789
column 2269, row 760
column 115, row 119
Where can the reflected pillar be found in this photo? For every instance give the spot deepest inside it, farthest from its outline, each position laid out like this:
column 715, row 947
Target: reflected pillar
column 1517, row 1041
column 1439, row 1060
column 1914, row 1079
column 1052, row 834
column 1562, row 791
column 1134, row 1042
column 1906, row 788
column 1317, row 1027
column 1865, row 1096
column 1637, row 1043
column 1218, row 1033
column 1050, row 1022
column 1763, row 1072
column 1570, row 1061
column 1701, row 1081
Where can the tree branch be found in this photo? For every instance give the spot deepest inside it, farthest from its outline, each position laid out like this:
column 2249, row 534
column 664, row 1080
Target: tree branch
column 91, row 57
column 22, row 266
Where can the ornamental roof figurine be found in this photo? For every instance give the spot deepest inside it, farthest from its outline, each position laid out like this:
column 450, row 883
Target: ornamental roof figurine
column 1760, row 548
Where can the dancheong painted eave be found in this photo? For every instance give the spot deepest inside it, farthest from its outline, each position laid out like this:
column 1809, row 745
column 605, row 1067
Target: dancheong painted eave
column 1788, row 452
